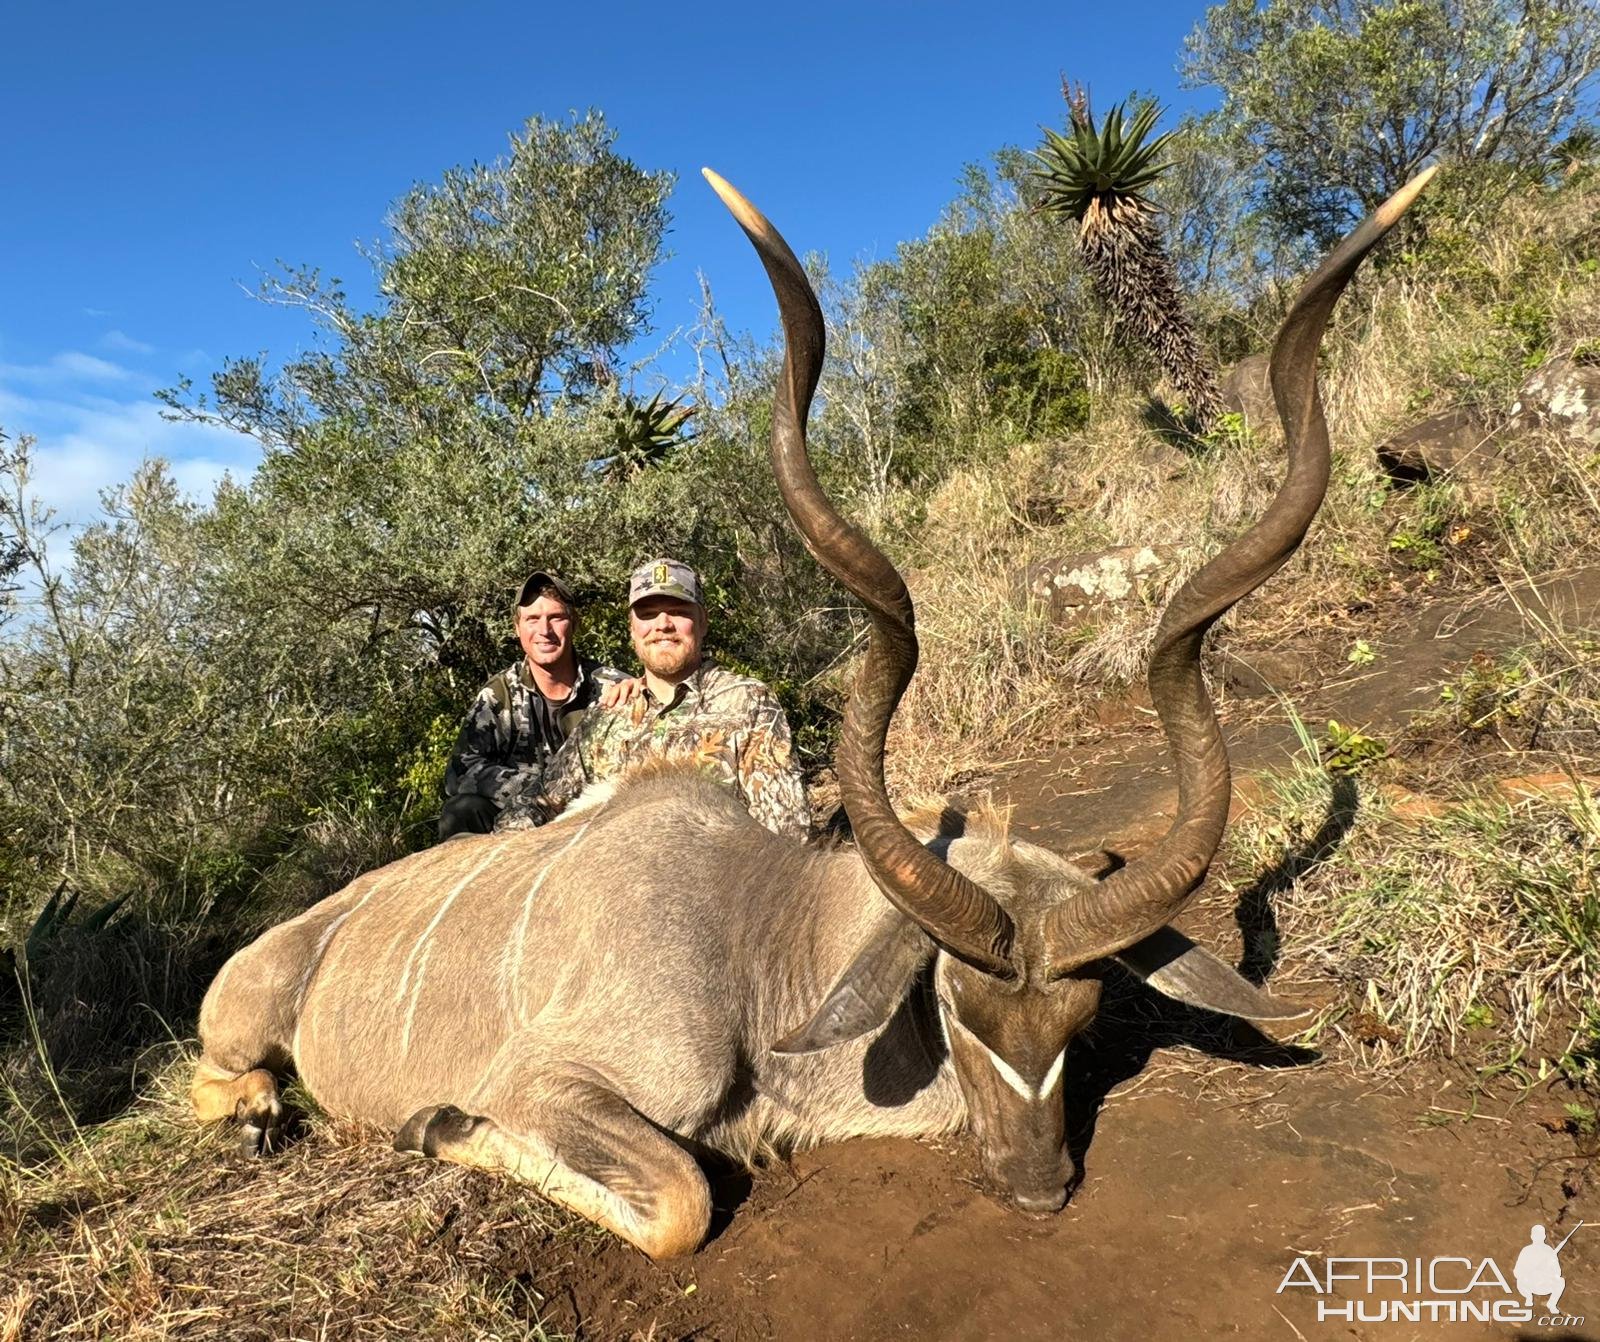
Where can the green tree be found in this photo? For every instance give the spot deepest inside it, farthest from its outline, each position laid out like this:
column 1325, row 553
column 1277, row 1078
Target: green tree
column 1337, row 103
column 503, row 289
column 126, row 703
column 207, row 691
column 434, row 447
column 978, row 334
column 473, row 424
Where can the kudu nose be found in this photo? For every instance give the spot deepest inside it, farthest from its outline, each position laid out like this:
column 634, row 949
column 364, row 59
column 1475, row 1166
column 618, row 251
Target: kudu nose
column 1041, row 1204
column 1036, row 1187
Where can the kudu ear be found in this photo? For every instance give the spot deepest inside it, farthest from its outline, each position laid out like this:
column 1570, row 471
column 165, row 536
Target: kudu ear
column 867, row 993
column 1177, row 968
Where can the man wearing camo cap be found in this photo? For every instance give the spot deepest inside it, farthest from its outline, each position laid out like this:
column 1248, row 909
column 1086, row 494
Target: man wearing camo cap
column 521, row 717
column 730, row 725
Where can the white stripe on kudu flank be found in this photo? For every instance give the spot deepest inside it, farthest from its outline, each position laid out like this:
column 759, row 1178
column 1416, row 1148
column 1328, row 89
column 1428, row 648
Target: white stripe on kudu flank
column 511, row 961
column 315, row 963
column 425, row 946
column 444, row 907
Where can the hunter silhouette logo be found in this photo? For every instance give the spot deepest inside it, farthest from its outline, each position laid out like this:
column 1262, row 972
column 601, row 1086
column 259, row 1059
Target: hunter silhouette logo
column 1538, row 1269
column 661, row 574
column 1447, row 1289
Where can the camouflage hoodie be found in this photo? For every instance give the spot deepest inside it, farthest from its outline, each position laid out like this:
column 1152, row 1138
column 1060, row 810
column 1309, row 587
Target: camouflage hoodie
column 511, row 732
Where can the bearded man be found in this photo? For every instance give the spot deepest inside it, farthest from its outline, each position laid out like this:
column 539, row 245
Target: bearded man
column 689, row 708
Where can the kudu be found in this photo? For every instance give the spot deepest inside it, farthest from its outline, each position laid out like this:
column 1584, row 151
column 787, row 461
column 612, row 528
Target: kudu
column 582, row 1005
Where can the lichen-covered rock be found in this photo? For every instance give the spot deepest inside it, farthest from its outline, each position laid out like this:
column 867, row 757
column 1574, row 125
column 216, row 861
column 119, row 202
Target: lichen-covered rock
column 1095, row 578
column 1455, row 445
column 1564, row 395
column 1247, row 391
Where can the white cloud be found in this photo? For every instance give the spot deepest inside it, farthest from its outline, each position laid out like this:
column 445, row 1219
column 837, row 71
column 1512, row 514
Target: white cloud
column 198, row 477
column 63, row 369
column 120, row 340
column 87, row 443
column 93, row 424
column 75, row 364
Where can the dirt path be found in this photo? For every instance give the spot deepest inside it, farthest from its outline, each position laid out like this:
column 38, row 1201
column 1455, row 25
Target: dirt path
column 1212, row 1159
column 1193, row 1208
column 1119, row 791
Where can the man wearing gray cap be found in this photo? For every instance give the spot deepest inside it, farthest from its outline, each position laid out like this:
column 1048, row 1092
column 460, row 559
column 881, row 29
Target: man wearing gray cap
column 730, row 725
column 521, row 717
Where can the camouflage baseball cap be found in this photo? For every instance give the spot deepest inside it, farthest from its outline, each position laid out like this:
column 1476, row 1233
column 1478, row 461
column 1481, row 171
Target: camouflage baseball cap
column 664, row 577
column 543, row 578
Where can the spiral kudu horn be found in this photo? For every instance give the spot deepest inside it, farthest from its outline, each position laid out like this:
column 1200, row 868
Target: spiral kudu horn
column 1140, row 898
column 959, row 915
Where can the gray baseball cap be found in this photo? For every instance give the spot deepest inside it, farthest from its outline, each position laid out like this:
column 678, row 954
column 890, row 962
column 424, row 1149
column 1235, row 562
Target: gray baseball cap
column 544, row 578
column 664, row 577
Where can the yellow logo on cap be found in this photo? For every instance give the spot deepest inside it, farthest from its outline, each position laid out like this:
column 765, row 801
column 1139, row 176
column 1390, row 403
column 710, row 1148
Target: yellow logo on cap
column 660, row 575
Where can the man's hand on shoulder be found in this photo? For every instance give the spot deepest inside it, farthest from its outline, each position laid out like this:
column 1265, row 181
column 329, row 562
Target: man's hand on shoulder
column 621, row 692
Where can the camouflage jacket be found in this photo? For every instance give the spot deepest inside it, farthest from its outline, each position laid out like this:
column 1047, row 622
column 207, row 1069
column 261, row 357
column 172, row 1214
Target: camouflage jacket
column 512, row 731
column 730, row 725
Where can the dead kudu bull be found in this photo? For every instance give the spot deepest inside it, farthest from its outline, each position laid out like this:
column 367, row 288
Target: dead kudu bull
column 578, row 1006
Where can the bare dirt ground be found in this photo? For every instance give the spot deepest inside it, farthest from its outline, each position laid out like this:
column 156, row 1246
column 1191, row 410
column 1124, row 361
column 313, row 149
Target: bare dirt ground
column 1211, row 1158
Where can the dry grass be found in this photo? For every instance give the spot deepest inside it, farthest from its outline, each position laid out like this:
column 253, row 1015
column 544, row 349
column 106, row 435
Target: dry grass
column 1472, row 932
column 152, row 1228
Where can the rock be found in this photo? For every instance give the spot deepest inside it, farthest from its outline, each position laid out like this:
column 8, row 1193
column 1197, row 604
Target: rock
column 1247, row 391
column 1552, row 785
column 1454, row 445
column 1160, row 461
column 1094, row 577
column 1259, row 675
column 1564, row 395
column 1408, row 807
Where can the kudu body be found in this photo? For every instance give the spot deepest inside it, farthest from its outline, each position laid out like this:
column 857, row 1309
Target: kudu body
column 581, row 1006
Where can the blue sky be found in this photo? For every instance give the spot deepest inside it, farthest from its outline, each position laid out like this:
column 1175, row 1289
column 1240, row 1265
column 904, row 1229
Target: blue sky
column 157, row 159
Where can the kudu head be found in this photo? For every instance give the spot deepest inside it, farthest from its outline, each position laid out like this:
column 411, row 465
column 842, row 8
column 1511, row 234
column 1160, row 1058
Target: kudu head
column 1019, row 935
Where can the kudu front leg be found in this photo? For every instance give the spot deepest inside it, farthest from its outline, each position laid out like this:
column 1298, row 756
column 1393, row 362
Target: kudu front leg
column 250, row 1098
column 583, row 1146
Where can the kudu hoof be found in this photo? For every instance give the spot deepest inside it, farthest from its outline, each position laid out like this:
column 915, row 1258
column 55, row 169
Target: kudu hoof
column 427, row 1130
column 261, row 1127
